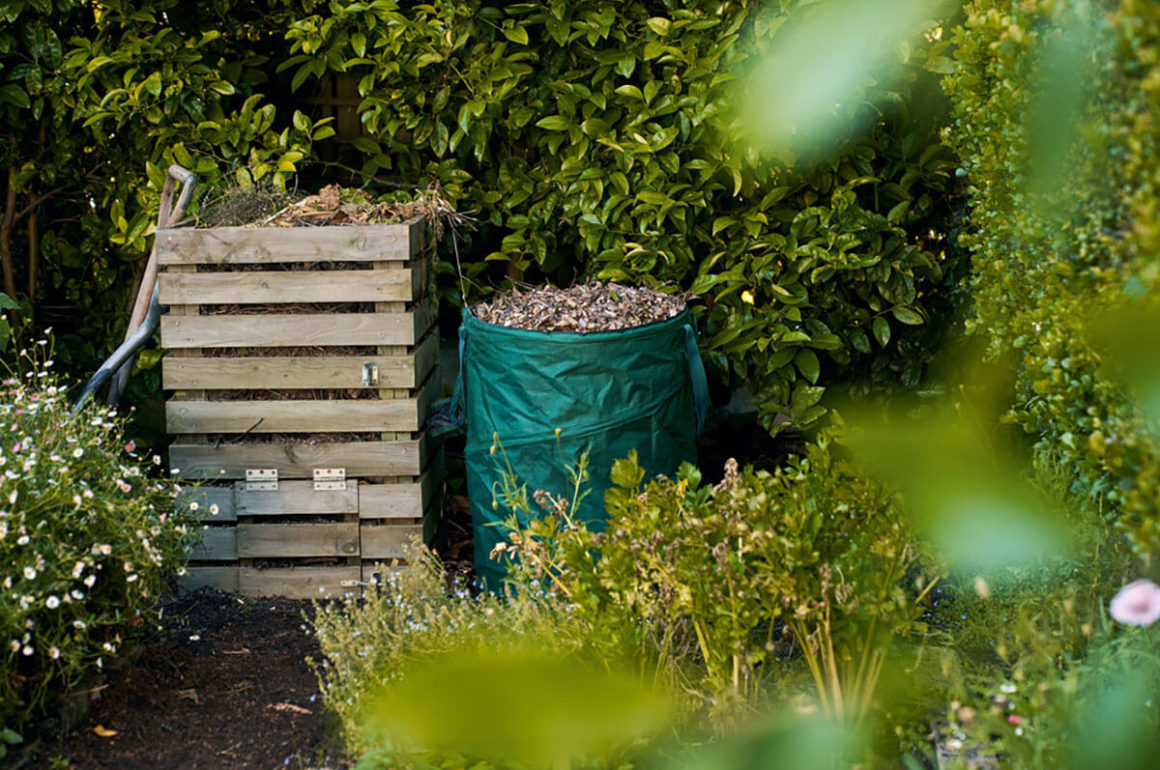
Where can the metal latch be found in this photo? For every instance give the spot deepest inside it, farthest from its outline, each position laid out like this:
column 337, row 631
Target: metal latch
column 329, row 478
column 261, row 479
column 351, row 583
column 370, row 374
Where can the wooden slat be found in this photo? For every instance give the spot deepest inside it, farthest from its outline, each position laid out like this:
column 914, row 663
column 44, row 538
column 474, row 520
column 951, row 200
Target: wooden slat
column 306, row 416
column 300, row 582
column 217, row 544
column 294, row 497
column 291, row 330
column 299, row 372
column 359, row 458
column 280, row 541
column 265, row 245
column 220, row 578
column 285, row 286
column 386, row 541
column 206, row 498
column 405, row 500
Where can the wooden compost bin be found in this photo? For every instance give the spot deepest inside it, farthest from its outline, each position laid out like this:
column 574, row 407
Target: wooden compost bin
column 302, row 368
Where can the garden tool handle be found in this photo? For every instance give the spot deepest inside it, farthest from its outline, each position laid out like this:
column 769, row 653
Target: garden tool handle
column 169, row 213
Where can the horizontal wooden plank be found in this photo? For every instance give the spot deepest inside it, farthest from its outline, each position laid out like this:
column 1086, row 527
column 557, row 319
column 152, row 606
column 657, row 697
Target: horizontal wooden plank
column 265, row 245
column 216, row 577
column 386, row 541
column 277, row 330
column 217, row 544
column 299, row 372
column 400, row 415
column 206, row 498
column 278, row 541
column 300, row 582
column 271, row 288
column 294, row 497
column 359, row 458
column 405, row 500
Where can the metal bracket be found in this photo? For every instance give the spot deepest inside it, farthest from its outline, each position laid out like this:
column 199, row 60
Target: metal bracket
column 351, row 583
column 258, row 479
column 329, row 478
column 370, row 374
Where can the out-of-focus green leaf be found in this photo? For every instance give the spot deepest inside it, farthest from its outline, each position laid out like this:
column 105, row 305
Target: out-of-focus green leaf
column 519, row 705
column 800, row 111
column 1129, row 337
column 963, row 489
column 788, row 741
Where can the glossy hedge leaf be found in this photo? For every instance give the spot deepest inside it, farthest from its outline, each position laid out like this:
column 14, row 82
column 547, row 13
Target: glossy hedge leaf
column 907, row 315
column 554, row 123
column 881, row 330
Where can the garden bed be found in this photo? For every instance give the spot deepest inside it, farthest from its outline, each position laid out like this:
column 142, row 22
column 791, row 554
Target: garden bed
column 223, row 683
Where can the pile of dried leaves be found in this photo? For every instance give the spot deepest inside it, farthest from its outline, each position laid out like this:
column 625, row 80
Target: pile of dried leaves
column 584, row 308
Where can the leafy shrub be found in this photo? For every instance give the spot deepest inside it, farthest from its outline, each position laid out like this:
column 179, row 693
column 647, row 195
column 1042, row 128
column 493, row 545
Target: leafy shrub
column 598, row 139
column 707, row 584
column 86, row 537
column 96, row 101
column 1052, row 248
column 409, row 621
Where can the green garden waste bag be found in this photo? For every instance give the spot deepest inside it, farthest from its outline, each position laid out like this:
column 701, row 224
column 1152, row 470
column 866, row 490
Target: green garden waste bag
column 550, row 396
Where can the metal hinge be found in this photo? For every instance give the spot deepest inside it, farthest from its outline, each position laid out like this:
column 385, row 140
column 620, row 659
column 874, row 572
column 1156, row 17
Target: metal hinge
column 329, row 478
column 261, row 479
column 370, row 374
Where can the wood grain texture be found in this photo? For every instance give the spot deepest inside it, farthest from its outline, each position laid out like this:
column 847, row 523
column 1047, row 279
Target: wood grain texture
column 217, row 544
column 282, row 541
column 203, row 576
column 296, row 497
column 265, row 245
column 359, row 458
column 299, row 372
column 291, row 330
column 308, row 416
column 386, row 541
column 271, row 288
column 401, row 500
column 300, row 582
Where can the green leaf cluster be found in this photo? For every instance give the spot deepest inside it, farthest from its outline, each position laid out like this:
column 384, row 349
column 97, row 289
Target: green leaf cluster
column 1060, row 234
column 712, row 586
column 603, row 139
column 96, row 101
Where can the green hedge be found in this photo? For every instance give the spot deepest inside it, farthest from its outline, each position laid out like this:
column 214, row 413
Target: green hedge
column 1048, row 258
column 597, row 139
column 593, row 138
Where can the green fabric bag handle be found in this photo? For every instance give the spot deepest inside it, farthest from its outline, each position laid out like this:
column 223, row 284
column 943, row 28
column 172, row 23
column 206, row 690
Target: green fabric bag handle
column 458, row 413
column 697, row 376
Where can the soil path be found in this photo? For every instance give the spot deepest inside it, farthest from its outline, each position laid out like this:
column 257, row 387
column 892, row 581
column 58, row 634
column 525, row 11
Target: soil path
column 223, row 684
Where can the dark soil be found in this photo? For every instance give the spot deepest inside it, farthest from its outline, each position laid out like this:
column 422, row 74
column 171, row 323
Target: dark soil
column 223, row 684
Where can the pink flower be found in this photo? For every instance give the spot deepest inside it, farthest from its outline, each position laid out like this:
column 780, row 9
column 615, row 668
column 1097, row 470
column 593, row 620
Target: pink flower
column 1137, row 604
column 130, row 446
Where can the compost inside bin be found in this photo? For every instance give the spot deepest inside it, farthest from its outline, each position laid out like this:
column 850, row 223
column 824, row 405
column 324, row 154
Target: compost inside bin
column 584, row 308
column 552, row 375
